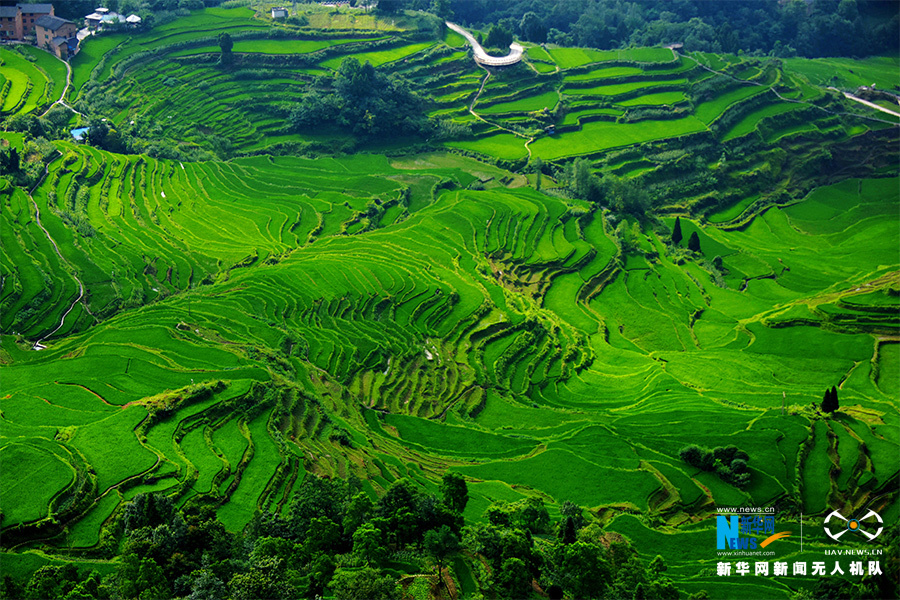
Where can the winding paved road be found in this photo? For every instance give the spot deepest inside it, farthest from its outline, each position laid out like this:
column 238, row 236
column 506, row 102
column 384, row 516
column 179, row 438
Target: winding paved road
column 482, row 57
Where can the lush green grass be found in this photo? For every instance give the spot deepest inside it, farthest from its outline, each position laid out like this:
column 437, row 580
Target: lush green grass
column 600, row 135
column 622, row 88
column 566, row 476
column 603, row 73
column 28, row 85
column 711, row 110
column 659, row 99
column 749, row 122
column 456, row 440
column 406, row 316
column 53, row 67
column 546, row 100
column 379, row 57
column 568, row 58
column 848, row 73
column 732, row 211
column 32, row 475
column 503, row 145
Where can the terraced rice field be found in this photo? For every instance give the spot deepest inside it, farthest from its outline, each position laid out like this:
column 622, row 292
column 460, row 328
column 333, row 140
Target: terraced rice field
column 246, row 322
column 32, row 80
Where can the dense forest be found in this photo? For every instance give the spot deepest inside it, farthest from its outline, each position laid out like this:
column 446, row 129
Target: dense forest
column 797, row 27
column 333, row 538
column 810, row 28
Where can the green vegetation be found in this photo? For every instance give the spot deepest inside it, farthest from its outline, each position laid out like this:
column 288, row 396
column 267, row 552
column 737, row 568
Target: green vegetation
column 329, row 302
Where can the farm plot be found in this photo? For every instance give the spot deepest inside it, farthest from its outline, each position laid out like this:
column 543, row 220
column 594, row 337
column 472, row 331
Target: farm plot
column 26, row 86
column 252, row 320
column 598, row 136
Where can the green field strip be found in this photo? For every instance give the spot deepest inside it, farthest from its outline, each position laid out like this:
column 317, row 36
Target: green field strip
column 568, row 58
column 623, row 88
column 123, row 460
column 547, row 100
column 815, row 472
column 603, row 73
column 52, row 67
column 85, row 533
column 598, row 136
column 847, row 73
column 659, row 99
column 28, row 83
column 254, row 478
column 379, row 57
column 752, row 120
column 565, row 476
column 707, row 112
column 32, row 476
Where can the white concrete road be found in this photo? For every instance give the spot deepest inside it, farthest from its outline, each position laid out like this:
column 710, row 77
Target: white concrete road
column 482, row 57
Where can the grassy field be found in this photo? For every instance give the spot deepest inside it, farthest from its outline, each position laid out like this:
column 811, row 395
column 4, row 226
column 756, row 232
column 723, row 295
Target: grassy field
column 29, row 85
column 600, row 135
column 847, row 73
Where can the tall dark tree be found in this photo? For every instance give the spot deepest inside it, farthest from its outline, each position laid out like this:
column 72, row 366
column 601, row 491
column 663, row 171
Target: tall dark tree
column 439, row 544
column 568, row 531
column 676, row 232
column 498, row 37
column 532, row 28
column 455, row 491
column 391, row 6
column 694, row 242
column 830, row 401
column 225, row 44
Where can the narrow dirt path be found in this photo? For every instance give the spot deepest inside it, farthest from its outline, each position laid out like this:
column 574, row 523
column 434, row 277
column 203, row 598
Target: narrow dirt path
column 62, row 96
column 37, row 212
column 484, row 81
column 867, row 103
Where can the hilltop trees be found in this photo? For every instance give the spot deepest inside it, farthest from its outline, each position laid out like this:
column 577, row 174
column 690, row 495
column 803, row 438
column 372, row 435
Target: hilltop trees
column 728, row 462
column 498, row 37
column 532, row 28
column 363, row 100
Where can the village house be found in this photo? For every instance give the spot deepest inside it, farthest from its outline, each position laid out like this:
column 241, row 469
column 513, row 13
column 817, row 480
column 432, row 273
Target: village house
column 279, row 13
column 19, row 21
column 56, row 35
column 103, row 16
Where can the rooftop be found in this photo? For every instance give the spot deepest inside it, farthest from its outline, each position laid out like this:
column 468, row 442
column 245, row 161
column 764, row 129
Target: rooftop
column 8, row 11
column 35, row 8
column 51, row 23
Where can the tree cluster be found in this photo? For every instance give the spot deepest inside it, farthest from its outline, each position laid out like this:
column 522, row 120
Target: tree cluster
column 335, row 541
column 364, row 101
column 818, row 28
column 728, row 462
column 693, row 241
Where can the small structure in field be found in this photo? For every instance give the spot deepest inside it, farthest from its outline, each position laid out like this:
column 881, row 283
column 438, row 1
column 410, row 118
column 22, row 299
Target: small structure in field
column 279, row 13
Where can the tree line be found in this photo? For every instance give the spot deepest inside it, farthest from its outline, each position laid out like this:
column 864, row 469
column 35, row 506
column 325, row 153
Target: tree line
column 337, row 540
column 806, row 28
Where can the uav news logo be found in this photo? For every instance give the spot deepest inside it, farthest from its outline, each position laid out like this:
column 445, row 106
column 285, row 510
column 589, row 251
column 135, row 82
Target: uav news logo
column 843, row 525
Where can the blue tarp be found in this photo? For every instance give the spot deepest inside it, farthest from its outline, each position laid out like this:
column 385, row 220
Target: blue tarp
column 79, row 133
